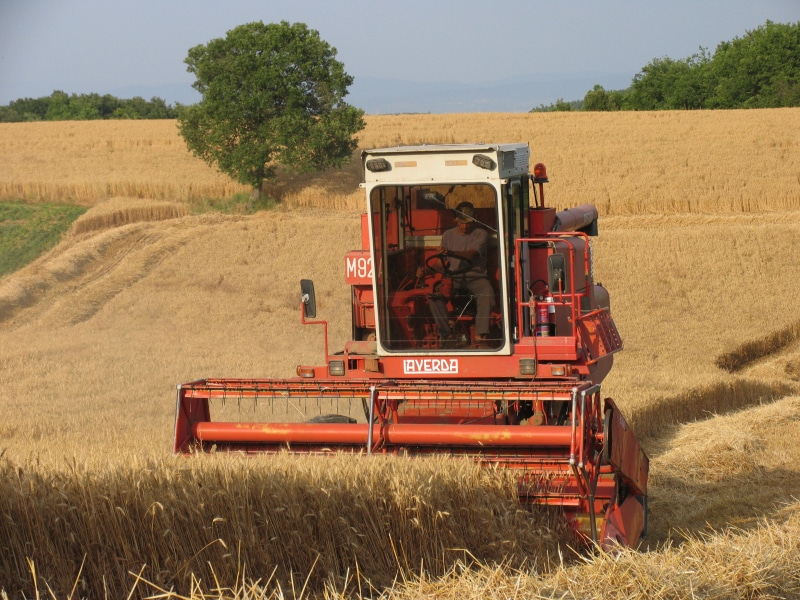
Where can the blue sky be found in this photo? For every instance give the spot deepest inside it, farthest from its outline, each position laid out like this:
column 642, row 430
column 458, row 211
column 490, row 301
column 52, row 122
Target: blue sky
column 129, row 48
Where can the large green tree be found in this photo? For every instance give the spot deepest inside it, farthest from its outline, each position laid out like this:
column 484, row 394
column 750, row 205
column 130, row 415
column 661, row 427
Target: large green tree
column 272, row 95
column 759, row 70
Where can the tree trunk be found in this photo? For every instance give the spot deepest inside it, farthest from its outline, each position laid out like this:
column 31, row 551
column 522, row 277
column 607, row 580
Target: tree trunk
column 255, row 196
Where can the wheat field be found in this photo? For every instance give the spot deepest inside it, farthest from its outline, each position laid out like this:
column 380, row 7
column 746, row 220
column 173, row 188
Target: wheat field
column 698, row 246
column 626, row 163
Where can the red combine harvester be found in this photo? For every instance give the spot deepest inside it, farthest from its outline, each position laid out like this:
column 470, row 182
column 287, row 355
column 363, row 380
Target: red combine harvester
column 478, row 330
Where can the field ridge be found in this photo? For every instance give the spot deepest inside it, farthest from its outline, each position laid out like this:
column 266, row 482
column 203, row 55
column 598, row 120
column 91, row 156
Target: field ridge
column 75, row 280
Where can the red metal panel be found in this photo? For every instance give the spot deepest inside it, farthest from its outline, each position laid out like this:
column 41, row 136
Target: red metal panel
column 358, row 268
column 450, row 367
column 188, row 411
column 627, row 455
column 599, row 335
column 364, row 307
column 555, row 348
column 431, row 221
column 624, row 524
column 541, row 220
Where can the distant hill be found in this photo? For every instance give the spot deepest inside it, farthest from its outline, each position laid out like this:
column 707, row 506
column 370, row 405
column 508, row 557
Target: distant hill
column 389, row 96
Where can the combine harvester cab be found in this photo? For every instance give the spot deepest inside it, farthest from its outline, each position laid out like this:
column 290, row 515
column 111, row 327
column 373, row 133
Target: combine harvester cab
column 477, row 330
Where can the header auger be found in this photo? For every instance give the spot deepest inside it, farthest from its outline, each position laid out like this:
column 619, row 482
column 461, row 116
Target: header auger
column 477, row 330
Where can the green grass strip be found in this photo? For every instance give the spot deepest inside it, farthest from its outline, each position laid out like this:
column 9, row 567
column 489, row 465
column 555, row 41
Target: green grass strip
column 28, row 230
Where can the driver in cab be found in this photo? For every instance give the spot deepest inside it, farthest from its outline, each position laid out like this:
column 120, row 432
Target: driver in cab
column 464, row 247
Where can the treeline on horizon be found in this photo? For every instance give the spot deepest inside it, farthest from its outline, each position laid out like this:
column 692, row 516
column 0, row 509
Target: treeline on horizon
column 759, row 70
column 60, row 106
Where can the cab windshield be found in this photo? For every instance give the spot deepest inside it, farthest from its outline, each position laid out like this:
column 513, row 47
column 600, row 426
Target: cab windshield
column 436, row 267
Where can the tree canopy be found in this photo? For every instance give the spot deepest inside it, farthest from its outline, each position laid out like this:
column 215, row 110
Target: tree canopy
column 60, row 106
column 665, row 83
column 760, row 70
column 271, row 95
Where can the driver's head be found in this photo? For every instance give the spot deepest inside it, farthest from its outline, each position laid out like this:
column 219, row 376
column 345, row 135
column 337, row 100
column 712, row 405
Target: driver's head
column 465, row 217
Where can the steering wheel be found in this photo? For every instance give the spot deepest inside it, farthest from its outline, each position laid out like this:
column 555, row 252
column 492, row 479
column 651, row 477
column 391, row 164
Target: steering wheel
column 466, row 264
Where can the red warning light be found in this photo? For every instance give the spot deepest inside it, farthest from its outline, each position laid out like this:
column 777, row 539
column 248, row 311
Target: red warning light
column 539, row 173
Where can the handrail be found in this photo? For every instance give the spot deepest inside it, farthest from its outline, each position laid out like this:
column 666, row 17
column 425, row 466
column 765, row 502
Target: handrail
column 571, row 298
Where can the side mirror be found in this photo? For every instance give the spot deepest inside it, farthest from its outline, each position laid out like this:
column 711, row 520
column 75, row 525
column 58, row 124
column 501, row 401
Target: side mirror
column 307, row 298
column 557, row 273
